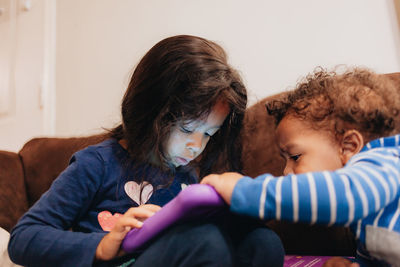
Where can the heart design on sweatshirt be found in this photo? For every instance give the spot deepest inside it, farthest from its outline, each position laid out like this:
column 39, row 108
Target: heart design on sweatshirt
column 132, row 189
column 107, row 220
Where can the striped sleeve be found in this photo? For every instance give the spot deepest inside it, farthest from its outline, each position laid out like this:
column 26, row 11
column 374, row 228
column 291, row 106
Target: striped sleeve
column 368, row 183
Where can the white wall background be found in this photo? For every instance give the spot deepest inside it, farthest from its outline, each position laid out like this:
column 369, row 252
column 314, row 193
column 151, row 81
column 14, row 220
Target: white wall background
column 22, row 59
column 92, row 46
column 272, row 43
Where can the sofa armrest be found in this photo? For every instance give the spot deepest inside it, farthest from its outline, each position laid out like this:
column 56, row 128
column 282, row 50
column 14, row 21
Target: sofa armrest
column 13, row 200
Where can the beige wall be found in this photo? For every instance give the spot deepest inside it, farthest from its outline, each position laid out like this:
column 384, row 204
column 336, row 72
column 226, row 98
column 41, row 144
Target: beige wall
column 272, row 43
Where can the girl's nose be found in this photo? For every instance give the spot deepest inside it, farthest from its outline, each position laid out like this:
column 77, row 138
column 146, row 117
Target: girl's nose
column 195, row 142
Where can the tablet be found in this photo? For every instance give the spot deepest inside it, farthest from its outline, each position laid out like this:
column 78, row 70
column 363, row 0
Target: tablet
column 194, row 201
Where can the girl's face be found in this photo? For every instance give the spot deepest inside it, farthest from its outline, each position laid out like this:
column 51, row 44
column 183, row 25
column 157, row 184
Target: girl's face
column 188, row 139
column 306, row 149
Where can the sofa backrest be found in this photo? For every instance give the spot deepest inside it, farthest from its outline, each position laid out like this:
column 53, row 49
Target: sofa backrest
column 260, row 153
column 43, row 159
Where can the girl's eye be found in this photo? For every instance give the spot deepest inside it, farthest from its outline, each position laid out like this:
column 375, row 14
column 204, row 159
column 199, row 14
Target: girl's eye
column 184, row 130
column 295, row 157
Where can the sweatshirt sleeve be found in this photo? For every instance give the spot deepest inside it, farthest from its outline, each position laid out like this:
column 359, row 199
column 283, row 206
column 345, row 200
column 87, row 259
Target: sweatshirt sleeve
column 42, row 236
column 369, row 182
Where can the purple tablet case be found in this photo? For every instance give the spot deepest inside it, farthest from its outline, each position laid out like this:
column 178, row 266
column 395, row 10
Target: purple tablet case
column 194, row 201
column 306, row 261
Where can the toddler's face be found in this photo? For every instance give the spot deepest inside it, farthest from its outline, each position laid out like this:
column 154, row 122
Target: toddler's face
column 188, row 140
column 306, row 149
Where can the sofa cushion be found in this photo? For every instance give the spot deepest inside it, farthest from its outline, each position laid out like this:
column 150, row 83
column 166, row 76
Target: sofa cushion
column 43, row 159
column 260, row 153
column 12, row 194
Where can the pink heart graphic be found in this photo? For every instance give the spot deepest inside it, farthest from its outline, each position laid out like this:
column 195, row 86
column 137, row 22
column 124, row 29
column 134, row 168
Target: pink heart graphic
column 132, row 189
column 107, row 220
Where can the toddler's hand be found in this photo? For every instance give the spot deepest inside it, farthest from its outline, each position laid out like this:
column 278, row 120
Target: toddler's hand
column 109, row 246
column 223, row 183
column 339, row 262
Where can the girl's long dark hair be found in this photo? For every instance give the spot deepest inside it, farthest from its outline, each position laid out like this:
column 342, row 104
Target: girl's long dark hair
column 180, row 79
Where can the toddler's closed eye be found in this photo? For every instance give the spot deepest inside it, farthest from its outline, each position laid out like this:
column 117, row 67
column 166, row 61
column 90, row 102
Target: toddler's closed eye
column 295, row 157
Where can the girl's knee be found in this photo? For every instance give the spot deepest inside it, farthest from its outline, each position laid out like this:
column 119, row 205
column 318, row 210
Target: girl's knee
column 191, row 244
column 209, row 246
column 207, row 235
column 265, row 235
column 261, row 246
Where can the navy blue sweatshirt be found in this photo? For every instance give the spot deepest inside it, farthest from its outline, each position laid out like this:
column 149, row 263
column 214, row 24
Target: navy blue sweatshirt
column 64, row 227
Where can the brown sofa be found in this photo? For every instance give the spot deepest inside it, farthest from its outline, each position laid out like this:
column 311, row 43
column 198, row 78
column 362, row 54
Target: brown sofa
column 26, row 175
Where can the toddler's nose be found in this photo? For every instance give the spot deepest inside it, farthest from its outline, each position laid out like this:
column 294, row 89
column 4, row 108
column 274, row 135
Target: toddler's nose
column 287, row 170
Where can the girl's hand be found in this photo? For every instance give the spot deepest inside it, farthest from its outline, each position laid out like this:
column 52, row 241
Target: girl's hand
column 339, row 262
column 110, row 246
column 223, row 183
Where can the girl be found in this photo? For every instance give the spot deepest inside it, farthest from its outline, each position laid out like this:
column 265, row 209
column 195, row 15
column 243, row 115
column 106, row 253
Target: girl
column 183, row 99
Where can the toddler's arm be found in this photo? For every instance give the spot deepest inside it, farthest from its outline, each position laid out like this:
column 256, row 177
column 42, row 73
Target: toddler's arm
column 361, row 188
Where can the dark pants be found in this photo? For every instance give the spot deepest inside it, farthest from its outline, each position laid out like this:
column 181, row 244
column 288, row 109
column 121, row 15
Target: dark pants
column 228, row 241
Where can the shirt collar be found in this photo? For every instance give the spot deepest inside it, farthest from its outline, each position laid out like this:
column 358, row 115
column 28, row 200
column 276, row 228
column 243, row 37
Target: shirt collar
column 390, row 141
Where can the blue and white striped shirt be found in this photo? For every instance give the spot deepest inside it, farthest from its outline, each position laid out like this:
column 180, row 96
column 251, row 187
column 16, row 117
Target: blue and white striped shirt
column 364, row 192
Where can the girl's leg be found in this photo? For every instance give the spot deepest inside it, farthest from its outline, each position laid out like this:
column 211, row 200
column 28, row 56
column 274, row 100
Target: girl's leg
column 260, row 247
column 190, row 244
column 254, row 243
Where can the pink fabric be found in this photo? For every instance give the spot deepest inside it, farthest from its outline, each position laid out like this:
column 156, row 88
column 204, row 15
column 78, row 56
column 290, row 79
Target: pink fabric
column 309, row 261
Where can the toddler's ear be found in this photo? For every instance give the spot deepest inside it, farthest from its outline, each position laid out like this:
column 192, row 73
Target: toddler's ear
column 352, row 142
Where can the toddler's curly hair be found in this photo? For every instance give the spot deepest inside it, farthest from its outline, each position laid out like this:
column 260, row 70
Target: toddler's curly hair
column 357, row 99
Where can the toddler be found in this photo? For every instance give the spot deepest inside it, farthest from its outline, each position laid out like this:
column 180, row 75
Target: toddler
column 342, row 163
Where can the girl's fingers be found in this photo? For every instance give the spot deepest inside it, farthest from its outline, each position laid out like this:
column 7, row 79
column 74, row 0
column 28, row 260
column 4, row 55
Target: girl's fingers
column 134, row 216
column 151, row 207
column 141, row 213
column 109, row 246
column 125, row 224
